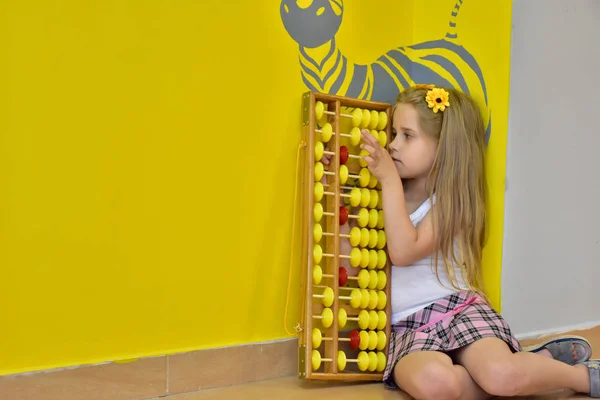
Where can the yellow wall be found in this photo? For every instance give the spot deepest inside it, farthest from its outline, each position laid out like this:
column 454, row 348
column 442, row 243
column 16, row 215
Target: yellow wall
column 147, row 167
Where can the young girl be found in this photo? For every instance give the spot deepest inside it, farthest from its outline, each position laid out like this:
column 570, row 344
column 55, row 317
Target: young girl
column 447, row 342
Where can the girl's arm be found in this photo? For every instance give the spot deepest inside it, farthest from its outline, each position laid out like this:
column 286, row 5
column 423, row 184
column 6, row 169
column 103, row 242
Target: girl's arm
column 406, row 244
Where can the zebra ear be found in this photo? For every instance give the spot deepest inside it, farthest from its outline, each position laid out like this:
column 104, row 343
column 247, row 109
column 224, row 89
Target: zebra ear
column 337, row 6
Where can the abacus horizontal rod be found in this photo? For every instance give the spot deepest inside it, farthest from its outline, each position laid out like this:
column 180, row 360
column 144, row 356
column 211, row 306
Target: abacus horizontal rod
column 341, row 115
column 333, row 234
column 331, row 276
column 341, row 187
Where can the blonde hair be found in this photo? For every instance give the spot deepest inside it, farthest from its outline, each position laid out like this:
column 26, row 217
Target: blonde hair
column 457, row 178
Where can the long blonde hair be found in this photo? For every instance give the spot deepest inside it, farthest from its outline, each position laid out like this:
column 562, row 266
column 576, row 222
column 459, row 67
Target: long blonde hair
column 457, row 178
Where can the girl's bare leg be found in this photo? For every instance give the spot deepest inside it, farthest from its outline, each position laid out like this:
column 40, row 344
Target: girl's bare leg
column 500, row 372
column 431, row 375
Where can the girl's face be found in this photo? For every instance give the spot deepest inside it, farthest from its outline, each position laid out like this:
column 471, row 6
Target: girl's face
column 412, row 150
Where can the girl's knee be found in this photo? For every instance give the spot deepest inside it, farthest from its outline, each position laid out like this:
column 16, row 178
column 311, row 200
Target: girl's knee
column 433, row 381
column 500, row 377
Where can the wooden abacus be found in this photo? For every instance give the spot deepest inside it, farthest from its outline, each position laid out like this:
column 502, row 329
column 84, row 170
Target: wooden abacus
column 335, row 298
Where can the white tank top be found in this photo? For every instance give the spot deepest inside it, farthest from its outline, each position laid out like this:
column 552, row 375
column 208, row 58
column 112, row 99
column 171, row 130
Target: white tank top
column 416, row 286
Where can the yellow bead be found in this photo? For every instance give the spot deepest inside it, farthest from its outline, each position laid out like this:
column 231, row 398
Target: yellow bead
column 373, row 299
column 319, row 191
column 318, row 211
column 319, row 171
column 374, row 120
column 364, row 237
column 381, row 361
column 365, row 197
column 372, row 238
column 363, row 361
column 326, row 132
column 355, row 236
column 381, row 340
column 381, row 280
column 355, row 257
column 373, row 319
column 381, row 239
column 366, row 119
column 381, row 259
column 317, row 254
column 343, row 174
column 382, row 320
column 362, row 162
column 373, row 360
column 363, row 217
column 356, row 117
column 355, row 197
column 373, row 259
column 364, row 177
column 373, row 218
column 355, row 298
column 319, row 109
column 317, row 274
column 342, row 318
column 364, row 258
column 327, row 315
column 374, row 199
column 364, row 298
column 328, row 297
column 381, row 300
column 381, row 124
column 355, row 136
column 319, row 150
column 373, row 182
column 341, row 360
column 317, row 233
column 363, row 279
column 315, row 360
column 316, row 338
column 363, row 319
column 373, row 279
column 363, row 344
column 380, row 220
column 382, row 138
column 372, row 340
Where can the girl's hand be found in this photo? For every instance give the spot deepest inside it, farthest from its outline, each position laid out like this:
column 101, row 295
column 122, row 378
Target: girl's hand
column 379, row 161
column 326, row 160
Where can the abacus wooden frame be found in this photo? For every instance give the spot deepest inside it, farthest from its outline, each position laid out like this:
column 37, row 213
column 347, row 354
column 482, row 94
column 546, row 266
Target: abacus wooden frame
column 309, row 99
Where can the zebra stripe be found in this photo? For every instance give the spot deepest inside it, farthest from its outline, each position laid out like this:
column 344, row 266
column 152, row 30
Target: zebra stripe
column 441, row 62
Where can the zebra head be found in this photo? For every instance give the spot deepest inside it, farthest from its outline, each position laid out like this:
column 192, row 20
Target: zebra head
column 312, row 23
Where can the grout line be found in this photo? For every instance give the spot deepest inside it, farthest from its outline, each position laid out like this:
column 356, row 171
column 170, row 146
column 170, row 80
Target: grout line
column 168, row 375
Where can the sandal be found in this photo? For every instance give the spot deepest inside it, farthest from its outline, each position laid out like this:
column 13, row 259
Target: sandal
column 594, row 368
column 568, row 349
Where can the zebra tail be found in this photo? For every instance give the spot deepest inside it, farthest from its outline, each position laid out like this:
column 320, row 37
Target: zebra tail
column 452, row 33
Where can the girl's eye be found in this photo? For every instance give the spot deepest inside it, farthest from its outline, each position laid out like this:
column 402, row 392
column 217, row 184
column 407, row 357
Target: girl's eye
column 408, row 135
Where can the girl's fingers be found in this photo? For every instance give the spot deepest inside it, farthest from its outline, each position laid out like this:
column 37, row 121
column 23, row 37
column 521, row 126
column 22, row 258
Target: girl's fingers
column 369, row 160
column 368, row 148
column 368, row 138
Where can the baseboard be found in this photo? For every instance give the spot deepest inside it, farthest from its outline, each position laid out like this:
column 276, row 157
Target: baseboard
column 154, row 377
column 557, row 331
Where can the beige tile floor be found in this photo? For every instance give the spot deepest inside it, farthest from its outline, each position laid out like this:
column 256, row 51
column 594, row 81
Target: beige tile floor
column 292, row 388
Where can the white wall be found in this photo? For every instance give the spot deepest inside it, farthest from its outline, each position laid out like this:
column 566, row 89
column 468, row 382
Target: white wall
column 551, row 262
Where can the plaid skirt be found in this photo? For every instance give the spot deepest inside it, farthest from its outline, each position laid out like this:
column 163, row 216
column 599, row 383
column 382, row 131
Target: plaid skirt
column 448, row 324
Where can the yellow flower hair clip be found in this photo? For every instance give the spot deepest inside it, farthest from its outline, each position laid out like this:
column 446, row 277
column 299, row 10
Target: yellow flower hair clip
column 437, row 99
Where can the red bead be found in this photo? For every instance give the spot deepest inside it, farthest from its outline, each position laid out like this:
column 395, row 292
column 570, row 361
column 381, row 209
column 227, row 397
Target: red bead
column 354, row 339
column 343, row 215
column 343, row 154
column 343, row 276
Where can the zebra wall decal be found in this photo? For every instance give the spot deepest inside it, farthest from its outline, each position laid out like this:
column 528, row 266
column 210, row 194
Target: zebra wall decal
column 313, row 24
